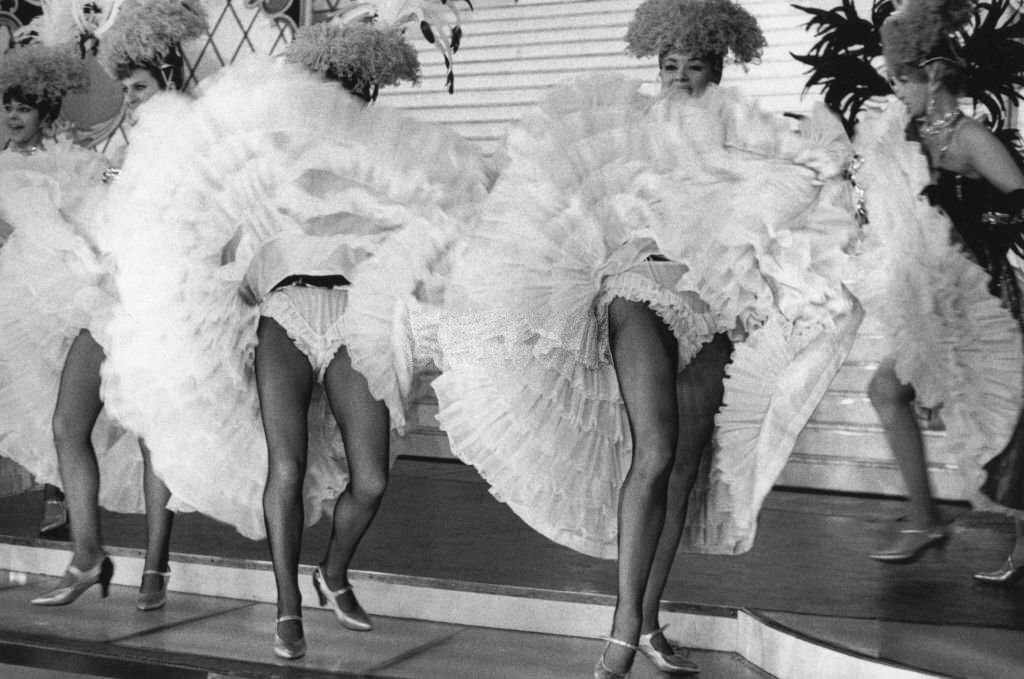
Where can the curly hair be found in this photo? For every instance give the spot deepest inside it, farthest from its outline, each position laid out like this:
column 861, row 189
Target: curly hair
column 701, row 27
column 361, row 56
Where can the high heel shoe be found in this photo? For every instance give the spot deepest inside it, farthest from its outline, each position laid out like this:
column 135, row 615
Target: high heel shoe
column 289, row 650
column 910, row 544
column 602, row 671
column 1007, row 574
column 670, row 663
column 150, row 601
column 76, row 581
column 356, row 620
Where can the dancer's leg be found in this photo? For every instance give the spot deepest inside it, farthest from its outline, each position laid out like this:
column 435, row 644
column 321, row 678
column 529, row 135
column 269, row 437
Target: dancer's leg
column 699, row 389
column 893, row 401
column 284, row 379
column 159, row 520
column 365, row 430
column 78, row 406
column 645, row 356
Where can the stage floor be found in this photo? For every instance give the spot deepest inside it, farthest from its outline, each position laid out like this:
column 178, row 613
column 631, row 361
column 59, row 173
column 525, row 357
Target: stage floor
column 808, row 568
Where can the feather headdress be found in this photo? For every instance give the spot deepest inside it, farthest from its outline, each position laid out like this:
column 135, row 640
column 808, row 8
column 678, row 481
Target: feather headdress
column 918, row 28
column 47, row 64
column 365, row 43
column 702, row 27
column 43, row 72
column 148, row 31
column 986, row 42
column 843, row 60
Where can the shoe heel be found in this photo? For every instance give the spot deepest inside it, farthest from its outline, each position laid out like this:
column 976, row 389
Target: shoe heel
column 316, row 587
column 106, row 575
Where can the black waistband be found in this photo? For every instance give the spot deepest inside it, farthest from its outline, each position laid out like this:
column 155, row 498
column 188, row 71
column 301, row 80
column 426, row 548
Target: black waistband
column 312, row 281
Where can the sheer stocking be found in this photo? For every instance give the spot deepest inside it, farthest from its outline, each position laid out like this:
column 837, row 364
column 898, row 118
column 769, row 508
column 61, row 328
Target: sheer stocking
column 78, row 406
column 285, row 381
column 364, row 423
column 892, row 401
column 699, row 389
column 645, row 355
column 159, row 521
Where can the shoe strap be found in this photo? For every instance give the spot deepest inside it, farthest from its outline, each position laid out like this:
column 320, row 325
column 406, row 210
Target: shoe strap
column 619, row 642
column 651, row 635
column 163, row 574
column 286, row 618
column 323, row 581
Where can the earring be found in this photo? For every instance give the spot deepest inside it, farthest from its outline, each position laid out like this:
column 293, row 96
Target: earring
column 930, row 108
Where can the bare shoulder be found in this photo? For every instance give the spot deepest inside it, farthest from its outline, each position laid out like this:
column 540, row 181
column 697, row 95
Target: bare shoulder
column 973, row 132
column 984, row 155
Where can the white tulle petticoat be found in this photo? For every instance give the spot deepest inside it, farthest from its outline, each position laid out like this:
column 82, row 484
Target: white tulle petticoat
column 948, row 336
column 599, row 181
column 293, row 176
column 54, row 285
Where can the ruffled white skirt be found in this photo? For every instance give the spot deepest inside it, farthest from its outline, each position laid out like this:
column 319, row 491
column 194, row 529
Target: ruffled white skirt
column 948, row 336
column 53, row 286
column 598, row 181
column 270, row 153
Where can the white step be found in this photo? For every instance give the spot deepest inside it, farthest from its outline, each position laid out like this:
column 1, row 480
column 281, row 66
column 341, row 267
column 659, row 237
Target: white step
column 864, row 476
column 845, row 407
column 854, row 376
column 865, row 442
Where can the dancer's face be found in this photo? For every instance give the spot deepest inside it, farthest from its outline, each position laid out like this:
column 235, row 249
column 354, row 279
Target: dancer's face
column 139, row 87
column 913, row 90
column 685, row 72
column 24, row 123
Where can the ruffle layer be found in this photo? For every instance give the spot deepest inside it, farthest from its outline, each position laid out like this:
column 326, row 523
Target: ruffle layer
column 53, row 285
column 267, row 151
column 598, row 179
column 948, row 336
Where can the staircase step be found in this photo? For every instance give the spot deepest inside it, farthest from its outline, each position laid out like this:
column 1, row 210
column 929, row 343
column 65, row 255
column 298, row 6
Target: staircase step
column 866, row 442
column 845, row 407
column 854, row 376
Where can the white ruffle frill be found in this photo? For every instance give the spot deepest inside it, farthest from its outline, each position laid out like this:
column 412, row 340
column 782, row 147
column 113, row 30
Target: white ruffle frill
column 599, row 179
column 267, row 156
column 53, row 285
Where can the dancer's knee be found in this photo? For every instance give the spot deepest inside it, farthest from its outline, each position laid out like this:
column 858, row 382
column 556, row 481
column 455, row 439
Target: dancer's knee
column 368, row 489
column 70, row 429
column 286, row 474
